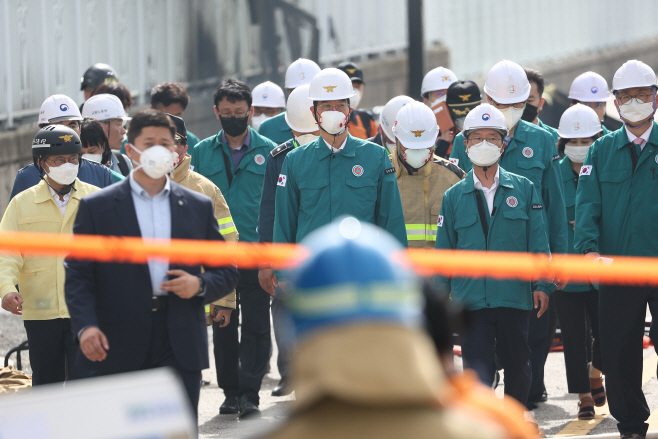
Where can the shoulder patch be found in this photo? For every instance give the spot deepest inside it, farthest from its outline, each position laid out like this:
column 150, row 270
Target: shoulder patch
column 282, row 180
column 389, row 171
column 586, row 170
column 279, row 149
column 556, row 157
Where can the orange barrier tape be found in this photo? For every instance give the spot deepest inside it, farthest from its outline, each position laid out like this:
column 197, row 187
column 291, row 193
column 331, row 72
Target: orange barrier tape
column 499, row 265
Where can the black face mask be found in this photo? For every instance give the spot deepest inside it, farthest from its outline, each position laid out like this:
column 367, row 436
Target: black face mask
column 530, row 113
column 234, row 126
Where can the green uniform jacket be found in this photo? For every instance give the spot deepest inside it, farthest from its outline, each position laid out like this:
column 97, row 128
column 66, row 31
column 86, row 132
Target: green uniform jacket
column 552, row 131
column 517, row 225
column 531, row 154
column 276, row 129
column 569, row 186
column 316, row 186
column 605, row 130
column 616, row 208
column 243, row 193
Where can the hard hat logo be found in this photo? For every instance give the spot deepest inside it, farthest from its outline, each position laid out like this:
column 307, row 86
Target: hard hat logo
column 67, row 138
column 64, row 107
column 511, row 89
column 595, row 89
column 446, row 78
column 464, row 98
column 417, row 133
column 576, row 126
column 265, row 96
column 351, row 71
column 486, row 116
column 329, row 88
column 302, row 75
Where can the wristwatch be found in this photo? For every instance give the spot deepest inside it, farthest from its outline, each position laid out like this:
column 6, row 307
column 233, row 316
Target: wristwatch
column 202, row 285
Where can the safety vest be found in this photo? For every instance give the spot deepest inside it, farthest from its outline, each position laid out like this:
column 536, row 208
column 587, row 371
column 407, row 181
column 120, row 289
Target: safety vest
column 422, row 193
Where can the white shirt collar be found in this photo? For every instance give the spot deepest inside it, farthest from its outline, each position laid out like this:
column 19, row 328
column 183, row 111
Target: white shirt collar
column 139, row 190
column 60, row 203
column 334, row 150
column 644, row 136
column 478, row 184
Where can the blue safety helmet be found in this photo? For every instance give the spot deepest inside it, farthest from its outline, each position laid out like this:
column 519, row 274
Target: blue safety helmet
column 356, row 272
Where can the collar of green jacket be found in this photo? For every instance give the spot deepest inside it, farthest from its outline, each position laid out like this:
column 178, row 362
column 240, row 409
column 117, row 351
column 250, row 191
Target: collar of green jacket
column 503, row 180
column 42, row 193
column 521, row 131
column 353, row 363
column 256, row 140
column 621, row 137
column 566, row 169
column 324, row 152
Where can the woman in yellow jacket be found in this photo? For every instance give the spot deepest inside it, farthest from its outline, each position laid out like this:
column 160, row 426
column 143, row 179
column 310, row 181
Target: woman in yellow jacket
column 48, row 207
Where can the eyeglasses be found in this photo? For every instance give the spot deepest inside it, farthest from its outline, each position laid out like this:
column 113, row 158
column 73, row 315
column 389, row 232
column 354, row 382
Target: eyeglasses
column 477, row 139
column 342, row 107
column 239, row 114
column 61, row 160
column 503, row 106
column 640, row 98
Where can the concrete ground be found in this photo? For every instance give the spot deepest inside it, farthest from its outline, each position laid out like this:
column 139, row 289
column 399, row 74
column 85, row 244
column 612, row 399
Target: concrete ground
column 553, row 416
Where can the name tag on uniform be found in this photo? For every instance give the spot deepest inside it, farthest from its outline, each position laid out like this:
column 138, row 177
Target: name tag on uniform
column 282, row 180
column 586, row 170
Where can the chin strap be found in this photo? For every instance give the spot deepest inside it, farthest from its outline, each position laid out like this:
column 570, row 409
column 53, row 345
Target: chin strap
column 485, row 168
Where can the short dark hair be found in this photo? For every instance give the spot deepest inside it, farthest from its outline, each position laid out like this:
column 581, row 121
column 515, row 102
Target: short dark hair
column 149, row 118
column 167, row 93
column 117, row 89
column 562, row 142
column 92, row 133
column 233, row 90
column 537, row 78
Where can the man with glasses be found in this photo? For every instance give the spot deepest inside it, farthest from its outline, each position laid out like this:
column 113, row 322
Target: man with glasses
column 492, row 209
column 591, row 89
column 530, row 152
column 49, row 207
column 337, row 174
column 61, row 110
column 615, row 215
column 234, row 160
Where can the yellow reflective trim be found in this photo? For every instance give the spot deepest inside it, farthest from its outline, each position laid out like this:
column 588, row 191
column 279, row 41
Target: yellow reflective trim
column 416, row 237
column 228, row 219
column 429, row 238
column 415, row 226
column 207, row 309
column 229, row 230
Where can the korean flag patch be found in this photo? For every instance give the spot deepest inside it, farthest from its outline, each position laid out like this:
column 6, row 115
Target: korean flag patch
column 282, row 180
column 586, row 170
column 454, row 161
column 439, row 222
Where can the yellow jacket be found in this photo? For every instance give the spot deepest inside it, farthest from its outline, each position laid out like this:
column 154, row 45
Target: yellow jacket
column 40, row 279
column 421, row 195
column 198, row 183
column 373, row 381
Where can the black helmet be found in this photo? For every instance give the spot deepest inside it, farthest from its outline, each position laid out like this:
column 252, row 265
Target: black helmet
column 352, row 70
column 96, row 75
column 462, row 97
column 55, row 140
column 181, row 130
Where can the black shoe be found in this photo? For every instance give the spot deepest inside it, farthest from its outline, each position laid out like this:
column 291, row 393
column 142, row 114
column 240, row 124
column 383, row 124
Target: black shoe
column 248, row 409
column 229, row 406
column 282, row 389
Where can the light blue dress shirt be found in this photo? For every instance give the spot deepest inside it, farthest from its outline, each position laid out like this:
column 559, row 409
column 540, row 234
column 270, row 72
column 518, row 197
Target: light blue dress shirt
column 154, row 218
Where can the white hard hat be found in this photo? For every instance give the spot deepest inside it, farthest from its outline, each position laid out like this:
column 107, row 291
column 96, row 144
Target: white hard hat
column 579, row 121
column 389, row 113
column 298, row 111
column 104, row 107
column 415, row 126
column 633, row 73
column 507, row 83
column 485, row 116
column 301, row 72
column 58, row 108
column 439, row 78
column 589, row 87
column 330, row 84
column 268, row 94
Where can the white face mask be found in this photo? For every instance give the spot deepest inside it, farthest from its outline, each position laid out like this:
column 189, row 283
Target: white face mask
column 64, row 174
column 417, row 158
column 576, row 154
column 96, row 158
column 306, row 138
column 389, row 146
column 356, row 99
column 484, row 154
column 257, row 120
column 635, row 111
column 157, row 161
column 512, row 115
column 333, row 122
